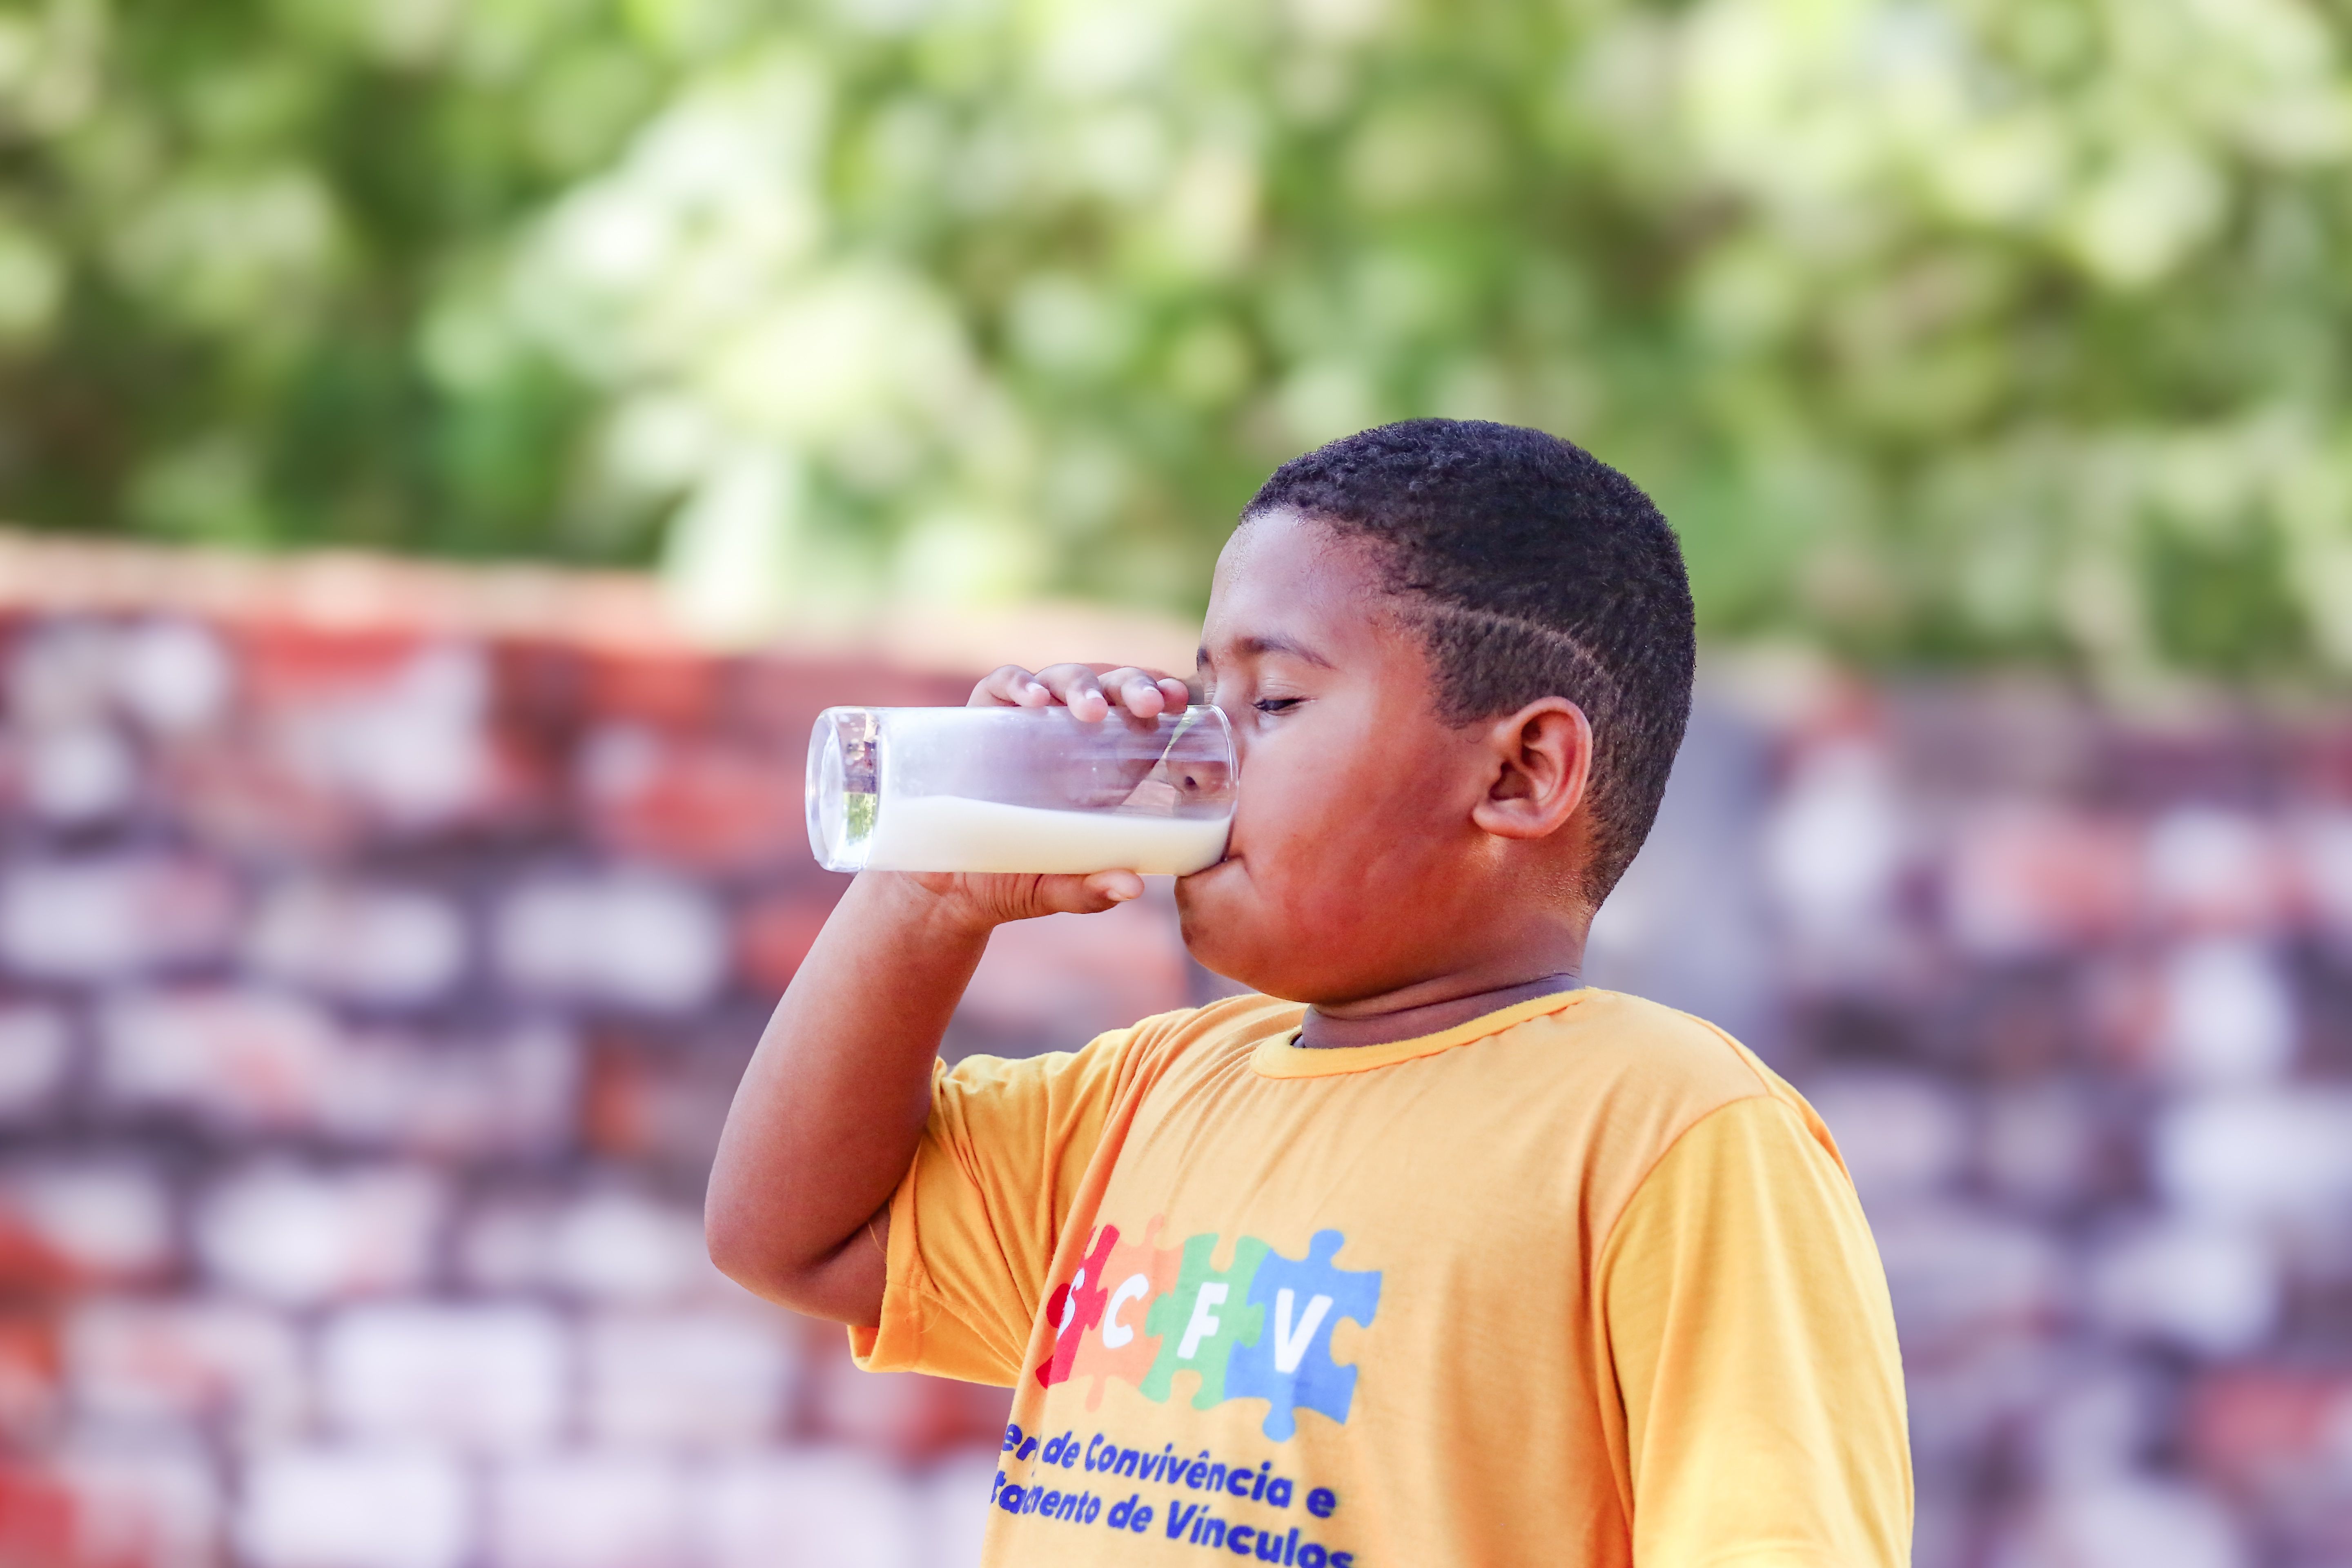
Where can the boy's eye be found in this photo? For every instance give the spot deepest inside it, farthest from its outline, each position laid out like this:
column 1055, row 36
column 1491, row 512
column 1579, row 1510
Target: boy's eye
column 1276, row 704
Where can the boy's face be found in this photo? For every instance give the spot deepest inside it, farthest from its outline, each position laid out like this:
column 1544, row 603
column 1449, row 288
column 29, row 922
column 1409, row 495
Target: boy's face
column 1354, row 867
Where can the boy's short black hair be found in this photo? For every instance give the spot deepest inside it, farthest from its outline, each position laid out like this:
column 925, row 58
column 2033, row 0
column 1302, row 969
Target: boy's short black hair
column 1530, row 569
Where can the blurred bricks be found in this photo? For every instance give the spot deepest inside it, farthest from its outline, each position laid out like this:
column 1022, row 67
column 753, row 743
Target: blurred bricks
column 375, row 945
column 106, row 1220
column 144, row 1504
column 701, row 1380
column 187, row 1366
column 355, row 1507
column 715, row 805
column 36, row 1054
column 300, row 1235
column 113, row 918
column 238, row 1060
column 632, row 940
column 494, row 1379
column 611, row 1510
column 612, row 1247
column 810, row 1508
column 379, row 947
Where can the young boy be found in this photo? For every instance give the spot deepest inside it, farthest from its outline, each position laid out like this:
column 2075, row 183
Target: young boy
column 1422, row 1255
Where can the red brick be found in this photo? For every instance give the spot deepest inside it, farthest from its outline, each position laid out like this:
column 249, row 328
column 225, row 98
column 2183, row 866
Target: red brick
column 718, row 804
column 143, row 1506
column 647, row 1101
column 779, row 700
column 671, row 690
column 282, row 661
column 2262, row 1429
column 29, row 1265
column 37, row 1520
column 146, row 1365
column 109, row 1219
column 28, row 1371
column 2023, row 878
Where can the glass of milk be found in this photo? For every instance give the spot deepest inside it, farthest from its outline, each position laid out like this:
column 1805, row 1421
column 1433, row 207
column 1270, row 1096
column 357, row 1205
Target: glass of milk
column 1019, row 789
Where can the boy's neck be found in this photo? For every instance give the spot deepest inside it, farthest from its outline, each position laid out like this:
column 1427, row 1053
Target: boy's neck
column 1321, row 1030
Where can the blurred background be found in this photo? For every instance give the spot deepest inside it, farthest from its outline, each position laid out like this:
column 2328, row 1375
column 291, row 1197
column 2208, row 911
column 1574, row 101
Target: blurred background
column 449, row 452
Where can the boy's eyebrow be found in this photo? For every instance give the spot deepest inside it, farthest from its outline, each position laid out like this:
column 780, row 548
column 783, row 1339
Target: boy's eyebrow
column 1264, row 645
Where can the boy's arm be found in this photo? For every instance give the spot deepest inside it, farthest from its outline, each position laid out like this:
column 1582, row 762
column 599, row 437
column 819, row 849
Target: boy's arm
column 1747, row 1319
column 827, row 1119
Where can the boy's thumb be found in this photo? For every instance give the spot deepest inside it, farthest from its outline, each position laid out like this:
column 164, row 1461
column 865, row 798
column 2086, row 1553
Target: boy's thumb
column 1119, row 887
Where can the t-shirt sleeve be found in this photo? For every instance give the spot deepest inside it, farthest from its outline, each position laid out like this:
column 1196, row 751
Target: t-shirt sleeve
column 974, row 1221
column 1754, row 1348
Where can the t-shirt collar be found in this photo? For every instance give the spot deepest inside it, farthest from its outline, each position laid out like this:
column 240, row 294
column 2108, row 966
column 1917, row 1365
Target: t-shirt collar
column 1281, row 1055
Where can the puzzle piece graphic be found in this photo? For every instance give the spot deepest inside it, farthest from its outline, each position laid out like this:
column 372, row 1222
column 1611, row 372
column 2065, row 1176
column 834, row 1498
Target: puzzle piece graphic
column 1136, row 1275
column 1201, row 1320
column 1287, row 1362
column 1076, row 1307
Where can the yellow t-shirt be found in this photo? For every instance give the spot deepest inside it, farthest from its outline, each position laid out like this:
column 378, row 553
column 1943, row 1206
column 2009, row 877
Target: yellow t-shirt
column 1579, row 1282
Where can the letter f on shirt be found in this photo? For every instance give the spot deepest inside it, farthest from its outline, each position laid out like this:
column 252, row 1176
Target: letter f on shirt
column 1204, row 1318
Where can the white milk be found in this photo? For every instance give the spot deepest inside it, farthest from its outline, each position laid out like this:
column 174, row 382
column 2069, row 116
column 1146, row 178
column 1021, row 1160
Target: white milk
column 956, row 833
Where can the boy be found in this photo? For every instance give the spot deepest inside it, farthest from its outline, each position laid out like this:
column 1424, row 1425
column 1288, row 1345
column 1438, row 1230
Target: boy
column 1458, row 1262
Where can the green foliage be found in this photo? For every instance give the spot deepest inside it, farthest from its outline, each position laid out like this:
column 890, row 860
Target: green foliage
column 1963, row 330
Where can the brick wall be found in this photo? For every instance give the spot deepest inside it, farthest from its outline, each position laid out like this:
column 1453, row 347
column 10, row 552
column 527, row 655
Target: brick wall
column 378, row 949
column 2072, row 988
column 369, row 1002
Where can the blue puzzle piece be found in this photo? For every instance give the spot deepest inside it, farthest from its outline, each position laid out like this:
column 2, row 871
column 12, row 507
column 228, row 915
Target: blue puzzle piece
column 1288, row 1363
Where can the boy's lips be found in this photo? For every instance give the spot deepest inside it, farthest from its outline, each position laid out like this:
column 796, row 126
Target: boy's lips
column 1228, row 859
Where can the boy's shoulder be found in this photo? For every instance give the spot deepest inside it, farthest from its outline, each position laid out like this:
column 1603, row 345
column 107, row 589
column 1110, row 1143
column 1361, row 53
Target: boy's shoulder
column 1667, row 1070
column 1637, row 1051
column 1619, row 1032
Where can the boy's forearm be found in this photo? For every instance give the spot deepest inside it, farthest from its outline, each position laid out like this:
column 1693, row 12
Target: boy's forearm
column 829, row 1113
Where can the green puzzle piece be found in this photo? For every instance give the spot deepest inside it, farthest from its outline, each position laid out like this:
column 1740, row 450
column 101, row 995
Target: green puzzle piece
column 1201, row 1322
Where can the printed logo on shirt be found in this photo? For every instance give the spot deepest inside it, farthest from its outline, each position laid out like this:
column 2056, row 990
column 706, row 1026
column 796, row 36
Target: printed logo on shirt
column 1259, row 1328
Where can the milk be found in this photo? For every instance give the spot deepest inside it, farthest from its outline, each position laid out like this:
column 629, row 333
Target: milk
column 956, row 833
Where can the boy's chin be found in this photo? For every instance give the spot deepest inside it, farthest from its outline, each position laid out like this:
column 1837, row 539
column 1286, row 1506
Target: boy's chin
column 1228, row 930
column 1213, row 908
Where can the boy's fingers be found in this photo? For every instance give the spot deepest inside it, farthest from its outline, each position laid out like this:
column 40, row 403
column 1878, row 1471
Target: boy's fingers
column 1137, row 691
column 1147, row 693
column 1009, row 686
column 1079, row 688
column 1088, row 695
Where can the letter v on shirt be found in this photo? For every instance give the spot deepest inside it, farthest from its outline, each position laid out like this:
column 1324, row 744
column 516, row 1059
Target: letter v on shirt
column 1404, row 1279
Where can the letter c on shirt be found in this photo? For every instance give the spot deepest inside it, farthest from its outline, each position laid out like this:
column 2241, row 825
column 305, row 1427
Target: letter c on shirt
column 1134, row 1287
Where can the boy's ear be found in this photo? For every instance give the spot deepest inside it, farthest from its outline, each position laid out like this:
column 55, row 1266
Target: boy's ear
column 1540, row 760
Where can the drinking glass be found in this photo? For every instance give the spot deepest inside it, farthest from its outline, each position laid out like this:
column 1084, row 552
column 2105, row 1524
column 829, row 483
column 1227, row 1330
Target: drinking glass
column 1019, row 789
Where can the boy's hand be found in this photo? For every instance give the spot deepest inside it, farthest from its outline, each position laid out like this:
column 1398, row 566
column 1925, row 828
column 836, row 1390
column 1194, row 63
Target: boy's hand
column 992, row 899
column 1086, row 689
